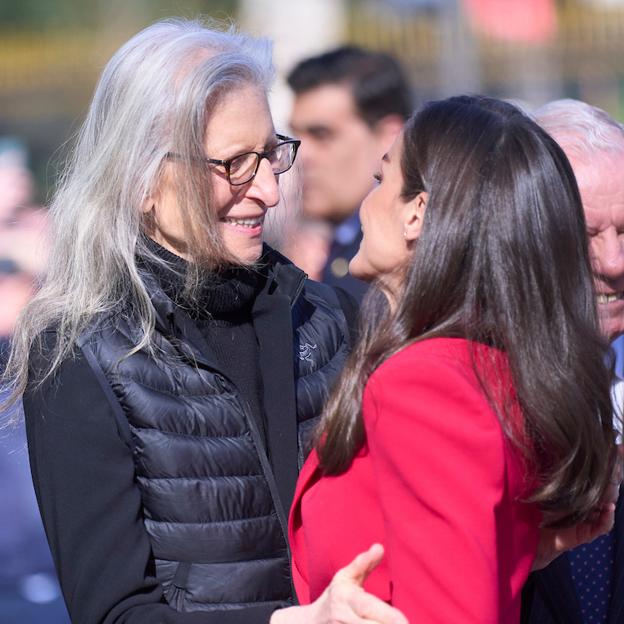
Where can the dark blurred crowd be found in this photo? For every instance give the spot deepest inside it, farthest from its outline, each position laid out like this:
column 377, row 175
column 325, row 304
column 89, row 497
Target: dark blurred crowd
column 29, row 591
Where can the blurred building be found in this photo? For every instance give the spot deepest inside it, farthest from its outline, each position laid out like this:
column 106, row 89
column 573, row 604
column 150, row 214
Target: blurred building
column 533, row 50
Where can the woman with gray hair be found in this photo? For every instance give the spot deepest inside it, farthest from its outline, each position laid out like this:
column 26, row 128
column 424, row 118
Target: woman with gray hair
column 171, row 364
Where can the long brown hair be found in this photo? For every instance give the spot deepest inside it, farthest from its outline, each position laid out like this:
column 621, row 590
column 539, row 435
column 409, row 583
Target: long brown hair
column 502, row 260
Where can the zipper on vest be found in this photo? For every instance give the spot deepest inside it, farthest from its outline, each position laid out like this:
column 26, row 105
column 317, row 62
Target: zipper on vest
column 298, row 290
column 227, row 385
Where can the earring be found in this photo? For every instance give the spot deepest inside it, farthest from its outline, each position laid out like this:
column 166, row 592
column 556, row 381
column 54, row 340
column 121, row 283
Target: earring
column 404, row 233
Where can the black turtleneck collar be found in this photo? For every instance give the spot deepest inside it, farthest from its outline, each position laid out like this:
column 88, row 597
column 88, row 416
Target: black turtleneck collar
column 220, row 296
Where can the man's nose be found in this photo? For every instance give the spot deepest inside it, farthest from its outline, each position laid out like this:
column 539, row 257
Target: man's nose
column 307, row 153
column 608, row 254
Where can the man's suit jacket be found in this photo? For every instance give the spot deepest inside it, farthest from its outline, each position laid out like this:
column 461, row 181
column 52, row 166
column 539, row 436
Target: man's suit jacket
column 344, row 246
column 549, row 596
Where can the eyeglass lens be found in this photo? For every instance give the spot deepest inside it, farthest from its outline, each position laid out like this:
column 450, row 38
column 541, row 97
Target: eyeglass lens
column 244, row 167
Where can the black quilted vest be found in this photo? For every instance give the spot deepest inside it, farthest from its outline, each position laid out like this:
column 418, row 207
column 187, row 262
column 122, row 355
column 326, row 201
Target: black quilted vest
column 214, row 506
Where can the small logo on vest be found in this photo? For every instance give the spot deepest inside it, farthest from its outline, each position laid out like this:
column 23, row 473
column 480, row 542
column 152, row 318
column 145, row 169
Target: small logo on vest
column 305, row 352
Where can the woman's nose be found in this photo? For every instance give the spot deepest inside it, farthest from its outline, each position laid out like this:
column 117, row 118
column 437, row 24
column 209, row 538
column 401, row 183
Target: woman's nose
column 264, row 186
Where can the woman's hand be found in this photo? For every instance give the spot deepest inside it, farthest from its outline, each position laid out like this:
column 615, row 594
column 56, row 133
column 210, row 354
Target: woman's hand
column 344, row 601
column 554, row 542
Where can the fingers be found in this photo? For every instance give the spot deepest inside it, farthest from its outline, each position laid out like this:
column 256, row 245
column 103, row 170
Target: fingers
column 618, row 468
column 619, row 465
column 359, row 569
column 348, row 604
column 605, row 520
column 554, row 542
column 607, row 508
column 600, row 524
column 368, row 608
column 612, row 493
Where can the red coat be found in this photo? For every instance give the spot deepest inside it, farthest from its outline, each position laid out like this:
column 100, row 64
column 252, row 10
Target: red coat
column 438, row 484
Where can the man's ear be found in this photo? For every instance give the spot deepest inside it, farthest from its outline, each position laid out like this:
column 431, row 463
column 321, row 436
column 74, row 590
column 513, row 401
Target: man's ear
column 414, row 215
column 387, row 129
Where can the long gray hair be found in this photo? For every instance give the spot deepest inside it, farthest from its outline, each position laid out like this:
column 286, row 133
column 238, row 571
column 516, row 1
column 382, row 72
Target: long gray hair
column 154, row 97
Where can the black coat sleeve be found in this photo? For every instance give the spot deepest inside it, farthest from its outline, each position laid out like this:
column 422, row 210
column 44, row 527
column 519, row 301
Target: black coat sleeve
column 84, row 478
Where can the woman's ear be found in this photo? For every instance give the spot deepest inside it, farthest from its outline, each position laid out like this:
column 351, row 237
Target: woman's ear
column 148, row 204
column 414, row 216
column 150, row 199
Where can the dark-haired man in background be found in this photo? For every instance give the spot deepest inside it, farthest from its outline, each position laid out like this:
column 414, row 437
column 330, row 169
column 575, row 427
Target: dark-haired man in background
column 349, row 106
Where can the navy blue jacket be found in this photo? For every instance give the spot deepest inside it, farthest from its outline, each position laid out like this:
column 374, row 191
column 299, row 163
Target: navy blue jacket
column 550, row 597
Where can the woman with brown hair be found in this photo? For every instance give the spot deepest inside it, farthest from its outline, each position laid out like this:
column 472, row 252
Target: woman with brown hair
column 476, row 407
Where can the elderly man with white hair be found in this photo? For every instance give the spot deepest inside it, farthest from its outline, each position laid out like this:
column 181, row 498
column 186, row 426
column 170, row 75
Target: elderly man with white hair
column 587, row 584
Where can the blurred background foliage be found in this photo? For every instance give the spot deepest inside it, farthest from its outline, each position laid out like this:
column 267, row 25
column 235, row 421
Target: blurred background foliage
column 44, row 14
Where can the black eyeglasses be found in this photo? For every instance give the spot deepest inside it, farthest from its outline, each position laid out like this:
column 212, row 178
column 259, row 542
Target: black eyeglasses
column 242, row 168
